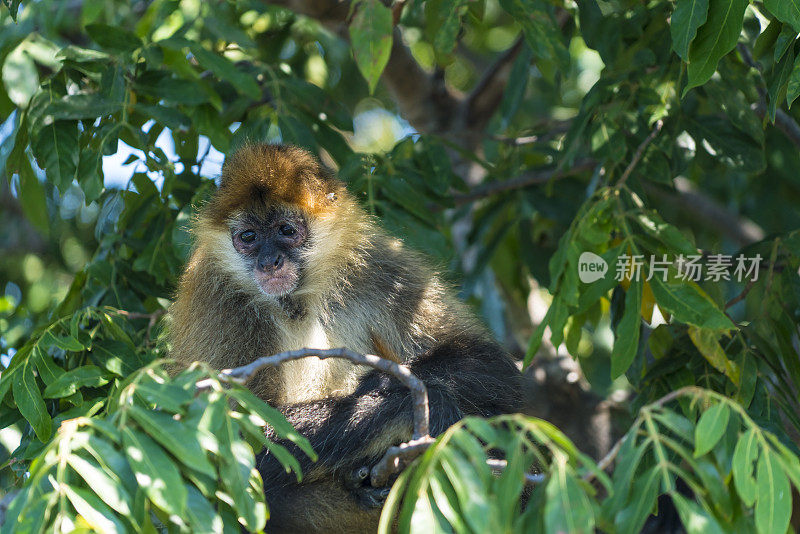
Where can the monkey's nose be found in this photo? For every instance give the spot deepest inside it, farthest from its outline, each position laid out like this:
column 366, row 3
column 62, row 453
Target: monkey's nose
column 270, row 262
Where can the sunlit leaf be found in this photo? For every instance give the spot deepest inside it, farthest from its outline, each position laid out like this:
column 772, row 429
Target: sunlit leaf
column 371, row 36
column 687, row 17
column 710, row 427
column 774, row 500
column 155, row 471
column 714, row 39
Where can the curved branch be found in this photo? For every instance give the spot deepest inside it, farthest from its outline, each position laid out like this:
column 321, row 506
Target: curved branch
column 488, row 93
column 418, row 390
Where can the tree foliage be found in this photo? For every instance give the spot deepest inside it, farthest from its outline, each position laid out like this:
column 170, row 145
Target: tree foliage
column 519, row 135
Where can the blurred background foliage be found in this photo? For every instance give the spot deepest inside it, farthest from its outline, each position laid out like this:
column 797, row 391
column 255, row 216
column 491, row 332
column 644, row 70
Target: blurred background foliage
column 503, row 138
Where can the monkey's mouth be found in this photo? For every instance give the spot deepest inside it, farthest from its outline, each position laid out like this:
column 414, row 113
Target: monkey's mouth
column 278, row 284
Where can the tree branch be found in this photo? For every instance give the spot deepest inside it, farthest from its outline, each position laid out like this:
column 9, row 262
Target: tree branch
column 152, row 318
column 422, row 99
column 488, row 93
column 418, row 390
column 640, row 152
column 783, row 121
column 707, row 211
column 528, row 179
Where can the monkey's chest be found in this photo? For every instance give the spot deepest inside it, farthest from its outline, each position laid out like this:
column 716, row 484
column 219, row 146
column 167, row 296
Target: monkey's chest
column 310, row 379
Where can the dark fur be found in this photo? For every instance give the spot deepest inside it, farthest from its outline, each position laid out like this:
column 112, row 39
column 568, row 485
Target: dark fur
column 359, row 288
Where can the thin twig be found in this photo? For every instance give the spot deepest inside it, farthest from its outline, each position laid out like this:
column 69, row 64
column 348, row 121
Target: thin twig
column 152, row 318
column 418, row 390
column 741, row 296
column 783, row 121
column 609, row 458
column 640, row 152
column 526, row 180
column 488, row 92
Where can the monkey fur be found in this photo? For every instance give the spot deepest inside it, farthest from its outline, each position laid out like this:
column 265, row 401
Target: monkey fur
column 285, row 258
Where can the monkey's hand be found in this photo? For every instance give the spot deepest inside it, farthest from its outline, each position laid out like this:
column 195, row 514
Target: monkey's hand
column 357, row 483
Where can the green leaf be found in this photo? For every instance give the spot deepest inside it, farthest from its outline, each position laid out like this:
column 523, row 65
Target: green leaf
column 626, row 338
column 102, row 484
column 93, row 510
column 689, row 304
column 29, row 400
column 469, row 486
column 176, row 91
column 163, row 395
column 226, row 70
column 744, row 454
column 733, row 146
column 715, row 38
column 643, row 495
column 371, row 38
column 72, row 381
column 443, row 23
column 567, row 508
column 273, row 417
column 793, row 87
column 778, row 81
column 179, row 439
column 787, row 11
column 20, row 76
column 48, row 370
column 706, row 342
column 675, row 240
column 710, row 428
column 32, row 197
column 117, row 357
column 236, row 465
column 56, row 151
column 13, row 7
column 29, row 515
column 113, row 38
column 253, row 429
column 200, row 513
column 81, row 106
column 169, row 117
column 774, row 501
column 296, row 131
column 540, row 29
column 694, row 518
column 536, row 338
column 155, row 472
column 65, row 342
column 514, row 92
column 687, row 17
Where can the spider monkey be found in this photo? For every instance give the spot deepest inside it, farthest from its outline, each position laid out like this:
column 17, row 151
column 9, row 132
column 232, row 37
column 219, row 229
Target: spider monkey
column 285, row 258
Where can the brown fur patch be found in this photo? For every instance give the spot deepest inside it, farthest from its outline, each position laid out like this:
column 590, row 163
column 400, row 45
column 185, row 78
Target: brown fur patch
column 272, row 174
column 383, row 349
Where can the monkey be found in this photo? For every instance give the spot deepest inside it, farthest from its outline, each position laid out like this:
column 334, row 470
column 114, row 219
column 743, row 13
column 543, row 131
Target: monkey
column 286, row 258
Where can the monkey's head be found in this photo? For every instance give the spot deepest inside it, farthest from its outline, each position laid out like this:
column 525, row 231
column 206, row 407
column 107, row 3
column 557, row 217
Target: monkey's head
column 266, row 223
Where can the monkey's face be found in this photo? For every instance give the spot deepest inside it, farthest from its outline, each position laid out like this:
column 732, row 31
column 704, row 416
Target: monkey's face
column 270, row 245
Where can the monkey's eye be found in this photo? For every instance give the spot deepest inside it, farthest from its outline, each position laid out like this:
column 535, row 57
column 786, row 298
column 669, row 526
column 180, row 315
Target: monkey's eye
column 287, row 230
column 248, row 236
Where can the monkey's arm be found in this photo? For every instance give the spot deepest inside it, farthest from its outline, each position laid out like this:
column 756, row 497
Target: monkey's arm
column 464, row 377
